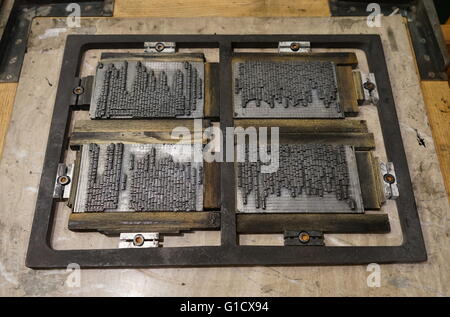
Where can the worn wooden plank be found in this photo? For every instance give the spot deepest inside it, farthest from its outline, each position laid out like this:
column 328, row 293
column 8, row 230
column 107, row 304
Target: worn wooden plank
column 120, row 125
column 357, row 80
column 143, row 221
column 211, row 194
column 153, row 57
column 7, row 95
column 212, row 82
column 361, row 141
column 345, row 59
column 77, row 139
column 221, row 8
column 327, row 223
column 437, row 102
column 306, row 125
column 132, row 131
column 346, row 89
column 369, row 181
column 378, row 178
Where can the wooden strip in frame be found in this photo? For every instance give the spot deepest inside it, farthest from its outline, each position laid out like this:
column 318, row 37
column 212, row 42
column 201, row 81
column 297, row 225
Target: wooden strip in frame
column 132, row 131
column 255, row 223
column 346, row 89
column 169, row 221
column 340, row 58
column 360, row 141
column 369, row 179
column 306, row 125
column 212, row 82
column 211, row 189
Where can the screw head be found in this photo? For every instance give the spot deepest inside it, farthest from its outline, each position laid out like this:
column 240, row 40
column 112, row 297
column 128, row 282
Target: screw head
column 138, row 240
column 389, row 178
column 78, row 90
column 369, row 86
column 159, row 47
column 304, row 237
column 295, row 46
column 63, row 180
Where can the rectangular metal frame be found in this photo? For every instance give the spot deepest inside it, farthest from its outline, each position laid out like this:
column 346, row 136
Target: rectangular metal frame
column 41, row 255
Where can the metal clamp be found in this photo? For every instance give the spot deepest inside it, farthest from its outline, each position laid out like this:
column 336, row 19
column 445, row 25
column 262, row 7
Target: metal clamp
column 389, row 180
column 303, row 238
column 82, row 91
column 294, row 47
column 366, row 87
column 159, row 47
column 139, row 240
column 63, row 181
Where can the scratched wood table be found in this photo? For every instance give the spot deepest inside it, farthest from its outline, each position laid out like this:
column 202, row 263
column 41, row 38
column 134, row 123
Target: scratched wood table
column 23, row 155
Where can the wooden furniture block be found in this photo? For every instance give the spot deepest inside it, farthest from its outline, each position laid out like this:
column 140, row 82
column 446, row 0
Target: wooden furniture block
column 221, row 8
column 131, row 131
column 306, row 125
column 361, row 141
column 347, row 91
column 212, row 82
column 319, row 131
column 340, row 59
column 369, row 180
column 328, row 223
column 211, row 194
column 116, row 222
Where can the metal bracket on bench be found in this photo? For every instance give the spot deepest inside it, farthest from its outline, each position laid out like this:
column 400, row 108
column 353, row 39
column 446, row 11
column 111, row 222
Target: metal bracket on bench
column 63, row 181
column 389, row 180
column 139, row 240
column 366, row 87
column 82, row 91
column 294, row 47
column 160, row 47
column 303, row 238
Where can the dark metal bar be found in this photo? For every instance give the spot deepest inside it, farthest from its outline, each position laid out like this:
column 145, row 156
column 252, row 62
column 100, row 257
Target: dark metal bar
column 143, row 221
column 228, row 190
column 328, row 223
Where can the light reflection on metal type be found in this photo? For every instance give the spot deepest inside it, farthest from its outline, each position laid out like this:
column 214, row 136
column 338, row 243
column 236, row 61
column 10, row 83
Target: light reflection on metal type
column 139, row 177
column 146, row 89
column 312, row 178
column 286, row 89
